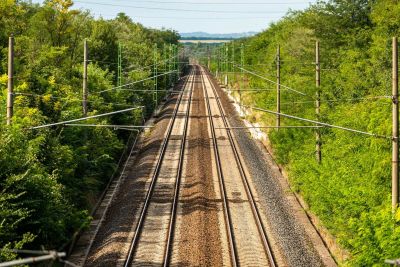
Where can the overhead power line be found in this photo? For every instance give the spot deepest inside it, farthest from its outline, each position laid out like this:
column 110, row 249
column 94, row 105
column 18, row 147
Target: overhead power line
column 319, row 123
column 222, row 3
column 190, row 18
column 271, row 81
column 85, row 118
column 183, row 10
column 132, row 83
column 66, row 99
column 115, row 127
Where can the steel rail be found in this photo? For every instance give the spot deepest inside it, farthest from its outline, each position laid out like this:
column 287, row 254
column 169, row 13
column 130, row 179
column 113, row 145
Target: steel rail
column 227, row 214
column 171, row 226
column 102, row 218
column 149, row 193
column 256, row 214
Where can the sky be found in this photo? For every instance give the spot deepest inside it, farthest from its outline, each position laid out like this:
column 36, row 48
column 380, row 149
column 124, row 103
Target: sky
column 212, row 16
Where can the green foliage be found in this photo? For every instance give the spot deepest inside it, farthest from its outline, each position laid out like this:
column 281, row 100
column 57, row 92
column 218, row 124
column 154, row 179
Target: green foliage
column 50, row 178
column 350, row 190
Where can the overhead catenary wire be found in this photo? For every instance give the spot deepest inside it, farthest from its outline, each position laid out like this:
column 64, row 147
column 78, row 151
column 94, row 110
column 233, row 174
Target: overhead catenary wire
column 109, row 126
column 132, row 66
column 135, row 82
column 181, row 10
column 84, row 118
column 334, row 100
column 191, row 18
column 69, row 99
column 150, row 66
column 269, row 80
column 151, row 90
column 268, row 127
column 254, row 89
column 222, row 3
column 319, row 123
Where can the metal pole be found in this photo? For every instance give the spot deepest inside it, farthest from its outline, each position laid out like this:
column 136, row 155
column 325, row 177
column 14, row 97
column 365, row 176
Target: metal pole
column 170, row 65
column 10, row 87
column 119, row 78
column 85, row 78
column 233, row 64
column 155, row 95
column 178, row 69
column 395, row 129
column 278, row 85
column 165, row 66
column 173, row 63
column 242, row 83
column 226, row 65
column 209, row 57
column 218, row 62
column 317, row 101
column 222, row 56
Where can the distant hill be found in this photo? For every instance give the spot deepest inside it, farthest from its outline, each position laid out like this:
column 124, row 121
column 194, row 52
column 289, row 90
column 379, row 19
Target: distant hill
column 216, row 36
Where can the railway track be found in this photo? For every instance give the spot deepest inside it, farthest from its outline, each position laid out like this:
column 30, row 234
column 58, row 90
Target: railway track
column 239, row 250
column 152, row 241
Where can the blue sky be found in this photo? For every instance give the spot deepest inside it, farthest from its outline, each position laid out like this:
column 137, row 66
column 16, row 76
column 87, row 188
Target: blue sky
column 213, row 16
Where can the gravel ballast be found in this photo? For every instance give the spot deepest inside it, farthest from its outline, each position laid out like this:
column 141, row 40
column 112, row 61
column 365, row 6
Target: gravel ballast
column 290, row 234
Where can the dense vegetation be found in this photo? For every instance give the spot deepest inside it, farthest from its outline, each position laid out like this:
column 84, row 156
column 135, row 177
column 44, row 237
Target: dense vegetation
column 50, row 178
column 350, row 190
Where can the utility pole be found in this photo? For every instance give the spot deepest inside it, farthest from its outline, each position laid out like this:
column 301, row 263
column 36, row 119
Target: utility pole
column 165, row 66
column 242, row 71
column 170, row 65
column 209, row 57
column 85, row 78
column 278, row 86
column 233, row 63
column 395, row 129
column 317, row 101
column 177, row 63
column 155, row 96
column 218, row 62
column 226, row 64
column 10, row 86
column 174, row 63
column 119, row 78
column 222, row 55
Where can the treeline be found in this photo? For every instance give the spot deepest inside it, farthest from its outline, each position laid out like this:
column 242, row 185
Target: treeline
column 207, row 38
column 350, row 190
column 50, row 178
